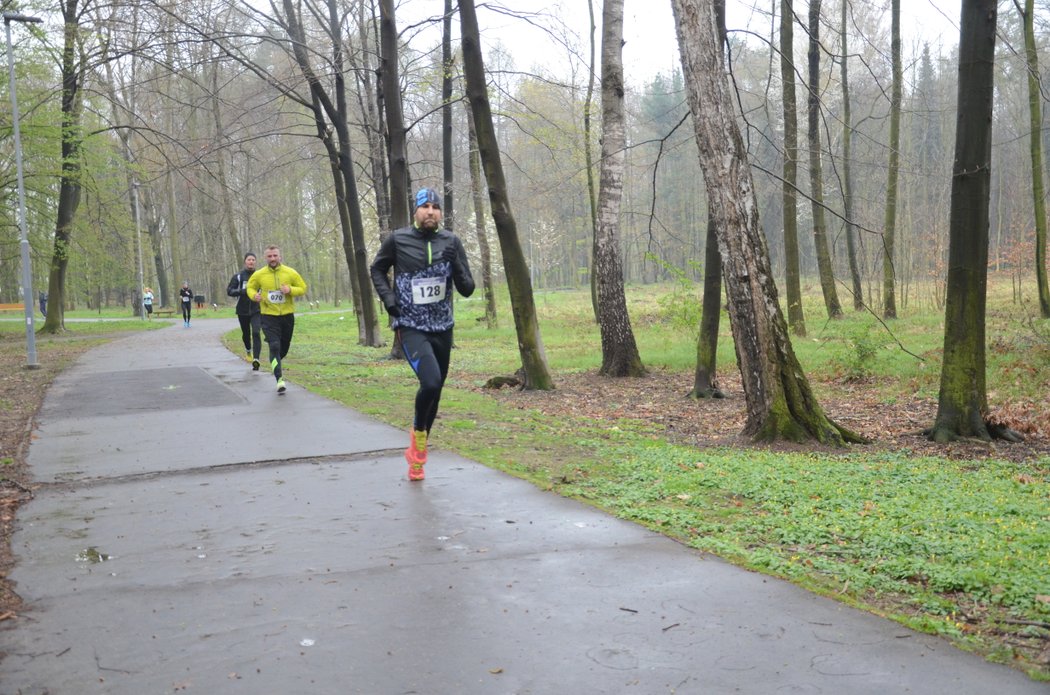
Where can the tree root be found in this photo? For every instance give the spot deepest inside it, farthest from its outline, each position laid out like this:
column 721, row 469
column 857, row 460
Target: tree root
column 709, row 392
column 945, row 435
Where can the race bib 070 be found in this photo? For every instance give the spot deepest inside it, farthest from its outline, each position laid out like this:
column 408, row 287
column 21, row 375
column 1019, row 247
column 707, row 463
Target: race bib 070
column 428, row 290
column 275, row 296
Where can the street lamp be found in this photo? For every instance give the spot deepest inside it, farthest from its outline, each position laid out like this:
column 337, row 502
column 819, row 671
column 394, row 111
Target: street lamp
column 138, row 244
column 27, row 267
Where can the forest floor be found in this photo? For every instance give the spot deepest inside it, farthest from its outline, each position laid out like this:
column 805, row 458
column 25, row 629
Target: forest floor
column 660, row 397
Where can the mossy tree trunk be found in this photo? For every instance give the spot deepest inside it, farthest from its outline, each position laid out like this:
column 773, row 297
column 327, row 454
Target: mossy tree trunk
column 478, row 194
column 780, row 403
column 705, row 384
column 523, row 306
column 963, row 402
column 796, row 317
column 1035, row 117
column 69, row 186
column 889, row 226
column 847, row 163
column 816, row 169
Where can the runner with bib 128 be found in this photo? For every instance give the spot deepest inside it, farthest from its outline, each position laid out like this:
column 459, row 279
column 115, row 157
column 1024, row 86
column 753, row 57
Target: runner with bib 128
column 427, row 260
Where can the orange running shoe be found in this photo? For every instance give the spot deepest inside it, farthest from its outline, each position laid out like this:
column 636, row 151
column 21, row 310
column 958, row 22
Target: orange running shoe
column 416, row 455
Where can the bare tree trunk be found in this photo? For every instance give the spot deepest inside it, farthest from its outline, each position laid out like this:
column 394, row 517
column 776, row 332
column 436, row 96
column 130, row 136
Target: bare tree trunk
column 370, row 98
column 619, row 349
column 796, row 317
column 780, row 403
column 174, row 236
column 323, row 104
column 847, row 166
column 588, row 138
column 962, row 406
column 447, row 64
column 1036, row 148
column 395, row 120
column 530, row 342
column 889, row 232
column 491, row 320
column 816, row 173
column 148, row 204
column 227, row 221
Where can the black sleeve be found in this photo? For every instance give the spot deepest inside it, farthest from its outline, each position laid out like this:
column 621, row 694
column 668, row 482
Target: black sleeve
column 461, row 271
column 234, row 288
column 384, row 259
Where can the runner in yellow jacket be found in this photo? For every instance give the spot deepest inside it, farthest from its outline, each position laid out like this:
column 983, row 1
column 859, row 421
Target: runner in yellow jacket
column 275, row 288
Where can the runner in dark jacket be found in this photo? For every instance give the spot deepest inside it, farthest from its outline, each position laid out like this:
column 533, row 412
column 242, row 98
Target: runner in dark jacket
column 427, row 260
column 247, row 311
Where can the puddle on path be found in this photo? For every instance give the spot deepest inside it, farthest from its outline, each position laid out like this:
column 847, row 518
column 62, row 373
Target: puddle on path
column 93, row 555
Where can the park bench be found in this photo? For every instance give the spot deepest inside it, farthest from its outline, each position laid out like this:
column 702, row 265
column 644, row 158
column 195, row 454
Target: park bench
column 165, row 313
column 13, row 307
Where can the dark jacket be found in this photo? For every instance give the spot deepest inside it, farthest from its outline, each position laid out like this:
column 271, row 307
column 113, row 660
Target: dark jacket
column 238, row 288
column 419, row 272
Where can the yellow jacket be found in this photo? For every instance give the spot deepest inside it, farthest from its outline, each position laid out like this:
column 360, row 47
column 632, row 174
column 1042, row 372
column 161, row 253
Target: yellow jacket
column 267, row 282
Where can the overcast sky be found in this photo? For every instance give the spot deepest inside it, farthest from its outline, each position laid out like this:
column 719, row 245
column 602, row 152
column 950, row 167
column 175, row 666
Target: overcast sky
column 650, row 44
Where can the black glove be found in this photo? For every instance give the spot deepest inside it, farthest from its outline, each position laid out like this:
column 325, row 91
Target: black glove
column 449, row 254
column 393, row 310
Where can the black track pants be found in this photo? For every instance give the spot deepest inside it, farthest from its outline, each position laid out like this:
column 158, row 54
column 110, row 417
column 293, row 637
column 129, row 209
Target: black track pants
column 250, row 326
column 428, row 354
column 278, row 330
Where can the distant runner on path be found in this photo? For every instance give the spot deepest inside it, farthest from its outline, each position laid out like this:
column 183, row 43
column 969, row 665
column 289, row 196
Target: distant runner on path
column 427, row 260
column 186, row 302
column 274, row 288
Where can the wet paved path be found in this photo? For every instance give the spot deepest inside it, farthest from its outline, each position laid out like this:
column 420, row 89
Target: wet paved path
column 265, row 544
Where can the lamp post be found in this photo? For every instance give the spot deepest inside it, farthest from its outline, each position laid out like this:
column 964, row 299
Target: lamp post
column 138, row 244
column 27, row 267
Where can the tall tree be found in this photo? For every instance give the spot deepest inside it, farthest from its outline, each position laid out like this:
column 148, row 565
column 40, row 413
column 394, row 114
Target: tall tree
column 1035, row 119
column 74, row 69
column 889, row 227
column 530, row 342
column 796, row 316
column 705, row 382
column 619, row 349
column 447, row 66
column 370, row 99
column 395, row 120
column 780, row 403
column 478, row 195
column 588, row 155
column 847, row 163
column 330, row 113
column 816, row 173
column 962, row 406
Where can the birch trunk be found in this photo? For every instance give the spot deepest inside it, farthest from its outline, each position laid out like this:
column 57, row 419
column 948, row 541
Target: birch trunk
column 619, row 349
column 780, row 403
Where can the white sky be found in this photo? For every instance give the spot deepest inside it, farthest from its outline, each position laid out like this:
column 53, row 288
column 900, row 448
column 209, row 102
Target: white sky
column 650, row 44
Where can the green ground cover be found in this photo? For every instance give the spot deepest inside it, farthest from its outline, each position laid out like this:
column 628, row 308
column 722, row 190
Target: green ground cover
column 955, row 547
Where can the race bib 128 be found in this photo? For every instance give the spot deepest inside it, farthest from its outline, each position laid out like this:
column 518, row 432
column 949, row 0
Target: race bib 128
column 428, row 290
